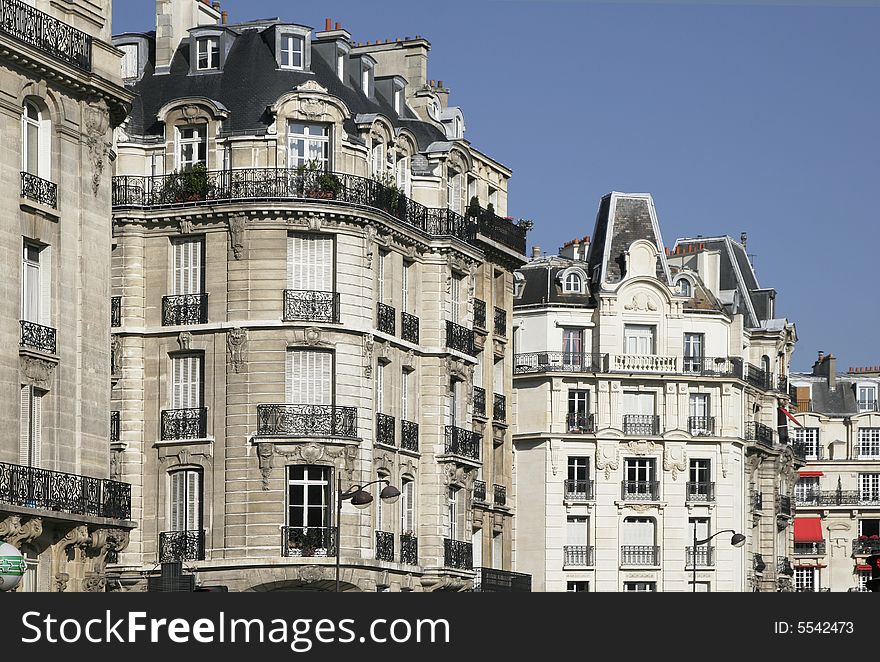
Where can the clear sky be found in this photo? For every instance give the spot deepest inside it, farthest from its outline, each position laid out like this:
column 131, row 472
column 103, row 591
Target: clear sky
column 756, row 117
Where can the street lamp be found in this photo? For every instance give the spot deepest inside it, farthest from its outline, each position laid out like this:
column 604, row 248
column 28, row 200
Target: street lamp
column 737, row 540
column 360, row 499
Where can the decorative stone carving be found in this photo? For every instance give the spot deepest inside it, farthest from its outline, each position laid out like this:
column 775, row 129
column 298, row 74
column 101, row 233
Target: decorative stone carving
column 236, row 347
column 641, row 302
column 725, row 463
column 116, row 353
column 16, row 533
column 641, row 448
column 369, row 346
column 608, row 458
column 94, row 583
column 641, row 507
column 116, row 465
column 461, row 370
column 315, row 221
column 185, row 226
column 96, row 123
column 313, row 336
column 184, row 340
column 75, row 539
column 309, row 574
column 237, row 229
column 456, row 475
column 312, row 453
column 37, row 372
column 311, row 86
column 408, row 360
column 670, row 389
column 191, row 112
column 675, row 460
column 370, row 245
column 266, row 455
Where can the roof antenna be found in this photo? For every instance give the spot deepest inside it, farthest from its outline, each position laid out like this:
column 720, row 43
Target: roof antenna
column 743, row 239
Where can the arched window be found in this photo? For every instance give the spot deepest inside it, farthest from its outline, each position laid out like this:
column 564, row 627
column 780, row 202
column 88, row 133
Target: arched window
column 684, row 287
column 34, row 141
column 573, row 283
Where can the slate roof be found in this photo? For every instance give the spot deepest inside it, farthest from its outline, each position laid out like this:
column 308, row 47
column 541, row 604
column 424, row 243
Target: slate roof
column 543, row 285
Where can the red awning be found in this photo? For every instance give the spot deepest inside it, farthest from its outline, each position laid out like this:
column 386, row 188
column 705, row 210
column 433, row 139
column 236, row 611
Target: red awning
column 790, row 417
column 808, row 529
column 863, row 567
column 811, row 474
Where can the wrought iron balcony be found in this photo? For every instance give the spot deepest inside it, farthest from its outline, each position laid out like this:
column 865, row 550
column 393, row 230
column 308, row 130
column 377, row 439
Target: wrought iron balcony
column 115, row 312
column 306, row 421
column 409, row 328
column 385, row 430
column 479, row 402
column 180, row 424
column 38, row 337
column 783, row 505
column 184, row 309
column 783, row 566
column 757, row 377
column 310, row 306
column 39, row 190
column 866, row 546
column 701, row 426
column 479, row 490
column 832, row 498
column 499, row 408
column 757, row 501
column 705, row 556
column 386, row 319
column 809, row 548
column 409, row 549
column 480, row 314
column 181, row 546
column 640, row 490
column 538, row 362
column 641, row 425
column 30, row 487
column 580, row 422
column 460, row 339
column 758, row 563
column 761, row 433
column 409, row 436
column 806, row 497
column 502, row 231
column 705, row 366
column 308, row 542
column 115, row 426
column 579, row 490
column 700, row 492
column 464, row 443
column 782, row 384
column 639, row 555
column 491, row 580
column 579, row 555
column 46, row 34
column 458, row 554
column 500, row 495
column 649, row 363
column 384, row 546
column 500, row 322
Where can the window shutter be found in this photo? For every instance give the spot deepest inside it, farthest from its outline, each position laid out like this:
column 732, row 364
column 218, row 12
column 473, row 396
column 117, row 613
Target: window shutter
column 309, row 377
column 408, row 510
column 37, row 429
column 380, row 388
column 193, row 502
column 187, row 267
column 178, row 499
column 24, row 443
column 477, row 546
column 404, row 395
column 310, row 263
column 44, row 278
column 186, row 388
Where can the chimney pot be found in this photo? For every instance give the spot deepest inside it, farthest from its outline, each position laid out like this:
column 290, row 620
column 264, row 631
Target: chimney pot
column 215, row 5
column 440, row 84
column 536, row 252
column 327, row 24
column 224, row 17
column 339, row 26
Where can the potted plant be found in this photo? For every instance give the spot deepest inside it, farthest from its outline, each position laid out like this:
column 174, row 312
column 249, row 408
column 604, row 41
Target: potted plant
column 389, row 197
column 330, row 185
column 187, row 186
column 474, row 210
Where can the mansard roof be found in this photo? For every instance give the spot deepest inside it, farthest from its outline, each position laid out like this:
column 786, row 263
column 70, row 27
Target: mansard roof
column 543, row 282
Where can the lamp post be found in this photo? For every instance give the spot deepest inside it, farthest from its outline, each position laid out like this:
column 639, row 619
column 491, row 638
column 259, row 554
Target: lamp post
column 737, row 540
column 360, row 499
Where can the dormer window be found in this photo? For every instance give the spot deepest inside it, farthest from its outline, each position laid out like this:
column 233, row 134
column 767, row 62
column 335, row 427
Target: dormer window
column 292, row 51
column 573, row 284
column 518, row 282
column 129, row 61
column 340, row 66
column 867, row 398
column 398, row 96
column 192, row 146
column 378, row 158
column 684, row 287
column 366, row 77
column 208, row 53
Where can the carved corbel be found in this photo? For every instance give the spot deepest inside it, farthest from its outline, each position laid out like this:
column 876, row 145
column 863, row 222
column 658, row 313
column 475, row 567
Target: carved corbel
column 266, row 454
column 16, row 533
column 237, row 230
column 75, row 539
column 37, row 372
column 236, row 346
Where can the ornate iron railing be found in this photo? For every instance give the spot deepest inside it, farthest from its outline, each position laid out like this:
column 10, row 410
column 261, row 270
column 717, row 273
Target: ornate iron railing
column 782, row 384
column 865, row 546
column 306, row 421
column 409, row 328
column 757, row 377
column 386, row 319
column 184, row 309
column 700, row 492
column 115, row 312
column 181, row 546
column 384, row 546
column 464, row 443
column 45, row 33
column 834, row 498
column 783, row 566
column 460, row 338
column 757, row 501
column 385, row 430
column 809, row 548
column 500, row 495
column 758, row 563
column 761, row 433
column 30, row 487
column 409, row 436
column 579, row 555
column 491, row 580
column 39, row 190
column 458, row 554
column 500, row 322
column 38, row 337
column 579, row 490
column 479, row 402
column 783, row 505
column 701, row 426
column 480, row 314
column 641, row 425
column 308, row 542
column 479, row 490
column 115, row 426
column 409, row 549
column 709, row 366
column 640, row 490
column 502, row 230
column 579, row 422
column 639, row 555
column 559, row 362
column 184, row 424
column 499, row 408
column 705, row 556
column 311, row 306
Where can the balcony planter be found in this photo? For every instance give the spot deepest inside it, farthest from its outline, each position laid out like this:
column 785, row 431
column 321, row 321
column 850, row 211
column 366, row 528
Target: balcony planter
column 188, row 186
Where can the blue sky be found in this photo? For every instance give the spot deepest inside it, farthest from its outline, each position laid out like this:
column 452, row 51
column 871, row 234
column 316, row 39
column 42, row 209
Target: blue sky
column 737, row 117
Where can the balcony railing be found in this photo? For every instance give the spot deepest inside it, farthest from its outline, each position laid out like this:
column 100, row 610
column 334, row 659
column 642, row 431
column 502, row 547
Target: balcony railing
column 39, row 190
column 386, row 319
column 460, row 339
column 646, row 425
column 479, row 402
column 181, row 546
column 115, row 426
column 306, row 421
column 639, row 555
column 579, row 490
column 580, row 422
column 184, row 309
column 782, row 384
column 499, row 408
column 700, row 492
column 38, row 337
column 836, row 498
column 479, row 490
column 705, row 366
column 409, row 436
column 701, row 426
column 384, row 546
column 783, row 505
column 500, row 322
column 866, row 546
column 180, row 424
column 757, row 501
column 458, row 554
column 784, row 567
column 757, row 377
column 464, row 443
column 647, row 363
column 705, row 557
column 537, row 362
column 45, row 33
column 385, row 430
column 115, row 312
column 761, row 433
column 803, row 405
column 308, row 542
column 579, row 555
column 758, row 563
column 409, row 550
column 310, row 306
column 640, row 490
column 809, row 548
column 500, row 495
column 292, row 184
column 30, row 487
column 491, row 580
column 409, row 328
column 480, row 314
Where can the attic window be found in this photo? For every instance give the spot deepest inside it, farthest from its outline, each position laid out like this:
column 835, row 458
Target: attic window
column 573, row 284
column 684, row 287
column 340, row 66
column 398, row 95
column 292, row 51
column 129, row 61
column 518, row 281
column 366, row 76
column 208, row 53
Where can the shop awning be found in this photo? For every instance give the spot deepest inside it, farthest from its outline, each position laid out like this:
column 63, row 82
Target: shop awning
column 811, row 474
column 808, row 529
column 862, row 566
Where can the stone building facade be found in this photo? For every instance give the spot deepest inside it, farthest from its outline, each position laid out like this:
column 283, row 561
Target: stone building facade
column 309, row 302
column 650, row 386
column 61, row 95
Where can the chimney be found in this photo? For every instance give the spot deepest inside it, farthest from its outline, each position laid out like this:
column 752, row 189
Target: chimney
column 826, row 366
column 225, row 16
column 174, row 18
column 744, row 239
column 536, row 252
column 328, row 25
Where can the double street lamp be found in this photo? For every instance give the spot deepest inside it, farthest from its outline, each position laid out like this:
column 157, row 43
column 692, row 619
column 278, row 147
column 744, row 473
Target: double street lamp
column 360, row 499
column 737, row 540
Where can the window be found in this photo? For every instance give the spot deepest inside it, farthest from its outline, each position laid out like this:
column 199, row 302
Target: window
column 497, row 551
column 572, row 346
column 699, row 422
column 188, row 261
column 765, row 366
column 700, row 480
column 577, row 533
column 684, row 287
column 30, row 582
column 398, row 100
column 471, row 189
column 453, row 190
column 869, row 443
column 454, row 512
column 208, row 53
column 308, row 144
column 380, row 388
column 129, row 60
column 186, row 382
column 310, row 262
column 864, row 576
column 408, row 507
column 30, row 427
column 578, row 410
column 35, row 141
column 380, row 278
column 573, row 283
column 35, row 284
column 340, row 66
column 402, row 175
column 191, row 146
column 639, row 339
column 640, row 587
column 636, row 403
column 869, row 527
column 808, row 438
column 377, row 156
column 577, row 587
column 452, row 403
column 309, row 377
column 404, row 394
column 867, row 398
column 869, row 488
column 699, row 587
column 405, row 279
column 292, row 51
column 701, row 526
column 308, row 489
column 578, row 469
column 493, row 198
column 693, row 352
column 806, row 490
column 186, row 500
column 456, row 298
column 806, row 580
column 518, row 282
column 640, row 478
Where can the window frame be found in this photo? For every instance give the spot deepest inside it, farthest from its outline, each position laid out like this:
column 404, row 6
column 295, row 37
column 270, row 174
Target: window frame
column 326, row 505
column 188, row 474
column 199, row 142
column 212, row 50
column 310, row 141
column 638, row 334
column 288, row 43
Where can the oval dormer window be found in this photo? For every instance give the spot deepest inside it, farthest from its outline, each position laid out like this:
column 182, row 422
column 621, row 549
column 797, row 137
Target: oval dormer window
column 573, row 284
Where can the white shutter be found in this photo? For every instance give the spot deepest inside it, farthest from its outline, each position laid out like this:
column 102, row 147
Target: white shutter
column 380, row 283
column 178, row 500
column 309, row 377
column 44, row 277
column 309, row 263
column 408, row 507
column 405, row 293
column 380, row 388
column 193, row 501
column 576, row 535
column 404, row 395
column 187, row 267
column 456, row 298
column 24, row 443
column 37, row 429
column 477, row 545
column 639, row 532
column 497, row 551
column 186, row 388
